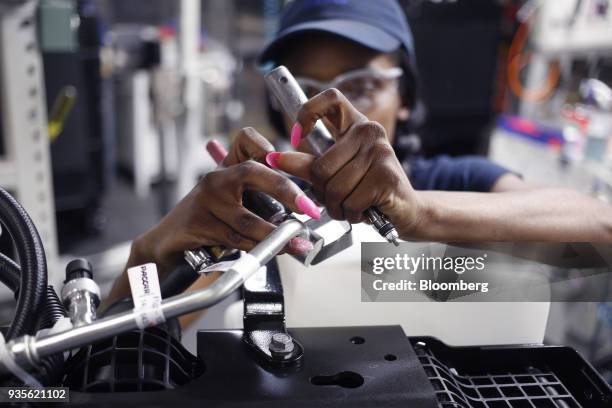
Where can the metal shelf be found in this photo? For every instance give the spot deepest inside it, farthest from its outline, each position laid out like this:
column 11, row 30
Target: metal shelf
column 25, row 168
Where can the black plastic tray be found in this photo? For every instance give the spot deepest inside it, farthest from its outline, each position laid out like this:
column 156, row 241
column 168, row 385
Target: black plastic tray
column 529, row 376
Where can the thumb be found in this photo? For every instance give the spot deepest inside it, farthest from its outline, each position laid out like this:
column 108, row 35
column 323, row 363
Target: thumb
column 294, row 163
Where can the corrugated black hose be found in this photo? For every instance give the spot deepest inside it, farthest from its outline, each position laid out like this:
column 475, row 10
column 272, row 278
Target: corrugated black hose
column 52, row 311
column 52, row 367
column 33, row 283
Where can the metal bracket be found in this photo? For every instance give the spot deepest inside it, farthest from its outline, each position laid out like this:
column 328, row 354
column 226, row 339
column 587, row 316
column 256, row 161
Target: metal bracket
column 329, row 237
column 264, row 320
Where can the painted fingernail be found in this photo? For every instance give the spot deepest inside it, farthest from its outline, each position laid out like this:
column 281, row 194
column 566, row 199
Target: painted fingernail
column 296, row 135
column 300, row 245
column 308, row 207
column 272, row 159
column 216, row 150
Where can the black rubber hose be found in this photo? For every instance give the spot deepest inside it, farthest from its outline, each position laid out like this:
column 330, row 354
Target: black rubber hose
column 33, row 265
column 178, row 280
column 10, row 274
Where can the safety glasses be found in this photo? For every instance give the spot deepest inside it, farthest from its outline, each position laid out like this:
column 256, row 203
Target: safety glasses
column 361, row 87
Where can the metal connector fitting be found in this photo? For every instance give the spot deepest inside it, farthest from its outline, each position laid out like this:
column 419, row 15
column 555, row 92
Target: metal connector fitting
column 80, row 294
column 198, row 259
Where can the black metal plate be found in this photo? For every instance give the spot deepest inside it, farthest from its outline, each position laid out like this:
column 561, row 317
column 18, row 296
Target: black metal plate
column 232, row 378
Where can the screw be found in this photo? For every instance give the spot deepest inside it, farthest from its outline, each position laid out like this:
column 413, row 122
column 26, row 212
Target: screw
column 281, row 343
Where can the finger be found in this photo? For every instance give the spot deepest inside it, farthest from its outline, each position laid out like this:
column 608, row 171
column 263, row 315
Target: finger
column 330, row 163
column 222, row 234
column 238, row 218
column 362, row 142
column 376, row 189
column 315, row 170
column 255, row 176
column 248, row 145
column 357, row 203
column 330, row 105
column 216, row 150
column 295, row 163
column 343, row 183
column 299, row 246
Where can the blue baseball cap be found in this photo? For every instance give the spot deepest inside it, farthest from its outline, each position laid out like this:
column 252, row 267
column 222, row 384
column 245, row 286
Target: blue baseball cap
column 376, row 24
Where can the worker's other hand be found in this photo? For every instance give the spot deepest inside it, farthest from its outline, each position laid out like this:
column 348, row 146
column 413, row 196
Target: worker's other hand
column 359, row 171
column 213, row 214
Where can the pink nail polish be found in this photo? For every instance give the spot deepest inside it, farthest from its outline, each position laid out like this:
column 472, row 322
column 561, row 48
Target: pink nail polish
column 308, row 207
column 296, row 135
column 216, row 150
column 272, row 159
column 300, row 245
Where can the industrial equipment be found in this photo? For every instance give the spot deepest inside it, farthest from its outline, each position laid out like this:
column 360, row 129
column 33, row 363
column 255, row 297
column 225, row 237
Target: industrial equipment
column 132, row 354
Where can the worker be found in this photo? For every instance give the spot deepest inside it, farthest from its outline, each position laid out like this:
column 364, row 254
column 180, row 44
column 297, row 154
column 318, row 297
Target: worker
column 355, row 60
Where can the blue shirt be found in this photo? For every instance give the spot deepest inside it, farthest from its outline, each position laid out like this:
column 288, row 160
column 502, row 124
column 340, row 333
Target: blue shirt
column 464, row 173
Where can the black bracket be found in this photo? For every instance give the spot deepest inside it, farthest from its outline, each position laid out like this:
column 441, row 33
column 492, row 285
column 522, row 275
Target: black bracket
column 265, row 332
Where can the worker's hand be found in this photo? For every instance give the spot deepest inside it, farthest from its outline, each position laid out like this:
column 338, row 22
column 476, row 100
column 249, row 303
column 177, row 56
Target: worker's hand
column 213, row 214
column 359, row 171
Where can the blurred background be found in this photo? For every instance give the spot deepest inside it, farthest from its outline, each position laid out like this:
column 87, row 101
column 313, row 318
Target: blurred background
column 107, row 106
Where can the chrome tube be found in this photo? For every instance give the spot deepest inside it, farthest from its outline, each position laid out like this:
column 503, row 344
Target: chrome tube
column 28, row 350
column 276, row 241
column 122, row 322
column 291, row 98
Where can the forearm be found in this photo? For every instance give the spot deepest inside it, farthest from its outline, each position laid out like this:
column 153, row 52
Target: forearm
column 553, row 215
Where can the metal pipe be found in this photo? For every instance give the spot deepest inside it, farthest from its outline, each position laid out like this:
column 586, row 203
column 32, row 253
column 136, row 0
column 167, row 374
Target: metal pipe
column 276, row 241
column 291, row 97
column 28, row 351
column 122, row 322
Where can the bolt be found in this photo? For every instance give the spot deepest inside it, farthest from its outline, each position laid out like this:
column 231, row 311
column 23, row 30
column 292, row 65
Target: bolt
column 281, row 343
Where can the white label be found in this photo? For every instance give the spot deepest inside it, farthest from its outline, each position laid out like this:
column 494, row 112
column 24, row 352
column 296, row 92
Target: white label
column 149, row 316
column 144, row 283
column 146, row 293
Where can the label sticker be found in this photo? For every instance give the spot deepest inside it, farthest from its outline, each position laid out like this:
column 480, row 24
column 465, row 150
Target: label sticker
column 144, row 283
column 146, row 293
